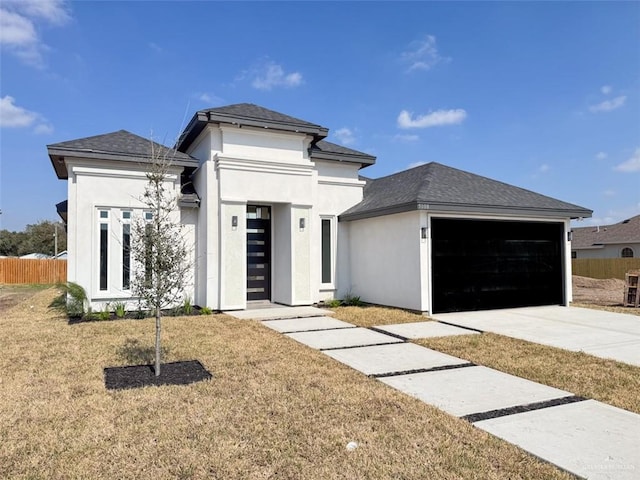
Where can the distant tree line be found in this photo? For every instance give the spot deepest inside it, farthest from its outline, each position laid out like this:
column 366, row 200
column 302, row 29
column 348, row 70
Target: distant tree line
column 36, row 238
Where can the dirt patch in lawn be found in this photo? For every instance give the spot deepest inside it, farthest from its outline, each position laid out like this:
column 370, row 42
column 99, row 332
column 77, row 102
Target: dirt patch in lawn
column 273, row 409
column 11, row 295
column 595, row 291
column 600, row 294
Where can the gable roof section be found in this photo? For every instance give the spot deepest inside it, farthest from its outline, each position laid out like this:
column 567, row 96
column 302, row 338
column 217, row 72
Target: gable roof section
column 324, row 150
column 119, row 146
column 438, row 188
column 627, row 231
column 247, row 114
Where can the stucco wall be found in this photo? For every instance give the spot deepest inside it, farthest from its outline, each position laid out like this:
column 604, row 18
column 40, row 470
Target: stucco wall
column 95, row 186
column 281, row 267
column 338, row 189
column 385, row 260
column 233, row 261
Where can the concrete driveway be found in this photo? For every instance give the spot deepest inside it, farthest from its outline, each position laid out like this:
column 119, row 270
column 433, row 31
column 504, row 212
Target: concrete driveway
column 596, row 332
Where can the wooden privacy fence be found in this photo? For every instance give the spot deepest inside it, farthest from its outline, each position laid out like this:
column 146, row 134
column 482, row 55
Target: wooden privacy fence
column 23, row 270
column 604, row 267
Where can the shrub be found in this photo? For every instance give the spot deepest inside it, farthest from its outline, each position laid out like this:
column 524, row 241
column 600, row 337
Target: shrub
column 333, row 303
column 105, row 313
column 206, row 311
column 120, row 309
column 352, row 300
column 73, row 300
column 187, row 308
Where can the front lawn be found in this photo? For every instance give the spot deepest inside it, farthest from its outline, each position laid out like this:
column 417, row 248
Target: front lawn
column 274, row 409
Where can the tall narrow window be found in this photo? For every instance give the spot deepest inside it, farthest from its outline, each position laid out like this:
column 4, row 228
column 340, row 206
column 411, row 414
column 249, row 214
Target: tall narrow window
column 104, row 249
column 126, row 256
column 148, row 252
column 326, row 251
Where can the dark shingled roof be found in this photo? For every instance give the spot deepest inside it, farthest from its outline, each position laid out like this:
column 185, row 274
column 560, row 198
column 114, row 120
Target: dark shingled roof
column 436, row 187
column 627, row 231
column 248, row 111
column 119, row 146
column 247, row 114
column 324, row 150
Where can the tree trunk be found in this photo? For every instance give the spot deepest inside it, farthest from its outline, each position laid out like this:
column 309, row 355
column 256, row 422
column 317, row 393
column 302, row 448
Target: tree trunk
column 157, row 369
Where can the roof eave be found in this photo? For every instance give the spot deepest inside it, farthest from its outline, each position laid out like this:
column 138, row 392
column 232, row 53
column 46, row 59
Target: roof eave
column 466, row 209
column 203, row 118
column 59, row 155
column 363, row 160
column 317, row 131
column 196, row 125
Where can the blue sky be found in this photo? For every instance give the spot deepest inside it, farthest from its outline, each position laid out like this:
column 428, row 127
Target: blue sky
column 542, row 95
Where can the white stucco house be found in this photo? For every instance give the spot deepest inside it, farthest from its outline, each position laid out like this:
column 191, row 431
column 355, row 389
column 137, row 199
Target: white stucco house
column 276, row 213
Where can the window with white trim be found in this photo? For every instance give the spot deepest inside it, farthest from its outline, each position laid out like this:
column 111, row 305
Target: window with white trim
column 327, row 249
column 627, row 252
column 104, row 249
column 126, row 250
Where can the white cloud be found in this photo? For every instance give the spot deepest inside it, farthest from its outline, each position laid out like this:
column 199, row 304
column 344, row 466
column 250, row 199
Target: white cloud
column 406, row 138
column 431, row 119
column 544, row 168
column 609, row 193
column 601, row 155
column 208, row 98
column 345, row 135
column 606, row 89
column 608, row 105
column 43, row 129
column 272, row 75
column 631, row 165
column 416, row 164
column 18, row 31
column 13, row 116
column 422, row 54
column 155, row 47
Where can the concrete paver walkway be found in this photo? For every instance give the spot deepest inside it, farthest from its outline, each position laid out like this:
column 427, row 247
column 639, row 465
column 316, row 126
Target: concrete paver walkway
column 596, row 332
column 585, row 437
column 425, row 330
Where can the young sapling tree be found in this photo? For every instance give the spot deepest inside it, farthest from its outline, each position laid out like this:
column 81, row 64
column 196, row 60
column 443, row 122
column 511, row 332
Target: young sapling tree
column 159, row 249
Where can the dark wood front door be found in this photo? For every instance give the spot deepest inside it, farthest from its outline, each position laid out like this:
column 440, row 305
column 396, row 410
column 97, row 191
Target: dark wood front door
column 258, row 252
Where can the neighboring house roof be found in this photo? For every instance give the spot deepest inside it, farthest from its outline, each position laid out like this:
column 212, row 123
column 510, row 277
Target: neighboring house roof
column 37, row 256
column 627, row 231
column 436, row 187
column 119, row 146
column 324, row 150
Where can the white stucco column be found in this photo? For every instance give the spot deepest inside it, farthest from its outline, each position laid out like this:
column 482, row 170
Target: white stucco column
column 301, row 254
column 233, row 257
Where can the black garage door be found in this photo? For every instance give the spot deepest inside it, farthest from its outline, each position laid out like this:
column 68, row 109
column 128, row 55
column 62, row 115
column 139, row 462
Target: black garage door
column 481, row 265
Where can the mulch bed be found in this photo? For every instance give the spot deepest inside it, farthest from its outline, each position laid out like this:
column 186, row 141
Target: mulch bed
column 138, row 376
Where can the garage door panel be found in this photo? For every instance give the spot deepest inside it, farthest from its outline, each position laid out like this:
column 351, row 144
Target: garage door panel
column 495, row 264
